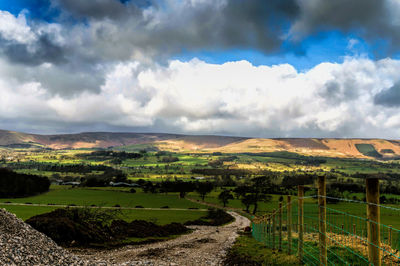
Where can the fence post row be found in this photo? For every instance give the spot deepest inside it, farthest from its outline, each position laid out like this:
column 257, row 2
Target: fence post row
column 373, row 216
column 280, row 226
column 273, row 229
column 373, row 224
column 322, row 220
column 289, row 223
column 300, row 221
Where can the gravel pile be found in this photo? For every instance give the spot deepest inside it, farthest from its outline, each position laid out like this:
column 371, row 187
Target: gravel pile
column 20, row 244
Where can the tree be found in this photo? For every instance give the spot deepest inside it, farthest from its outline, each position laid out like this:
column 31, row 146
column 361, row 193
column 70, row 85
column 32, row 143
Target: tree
column 203, row 188
column 255, row 192
column 14, row 184
column 241, row 191
column 225, row 196
column 333, row 196
column 184, row 187
column 247, row 200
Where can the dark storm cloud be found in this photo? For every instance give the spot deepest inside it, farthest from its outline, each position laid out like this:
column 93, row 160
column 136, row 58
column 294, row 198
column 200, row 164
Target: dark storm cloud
column 372, row 19
column 94, row 8
column 390, row 97
column 255, row 23
column 44, row 50
column 120, row 29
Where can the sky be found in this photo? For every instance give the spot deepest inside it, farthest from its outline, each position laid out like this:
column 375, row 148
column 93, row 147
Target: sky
column 254, row 68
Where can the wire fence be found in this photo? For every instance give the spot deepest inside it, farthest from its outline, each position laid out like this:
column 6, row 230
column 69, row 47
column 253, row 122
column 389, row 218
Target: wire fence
column 324, row 235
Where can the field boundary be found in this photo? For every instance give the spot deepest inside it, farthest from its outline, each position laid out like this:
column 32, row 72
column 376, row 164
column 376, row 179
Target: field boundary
column 321, row 235
column 99, row 207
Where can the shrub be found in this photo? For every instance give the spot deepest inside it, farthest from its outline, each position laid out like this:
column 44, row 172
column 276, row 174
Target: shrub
column 215, row 217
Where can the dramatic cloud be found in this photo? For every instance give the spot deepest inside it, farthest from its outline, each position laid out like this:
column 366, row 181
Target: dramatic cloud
column 235, row 97
column 106, row 65
column 389, row 97
column 375, row 20
column 157, row 29
column 94, row 9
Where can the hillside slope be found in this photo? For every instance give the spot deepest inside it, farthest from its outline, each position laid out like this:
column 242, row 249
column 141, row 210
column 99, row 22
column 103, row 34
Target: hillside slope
column 349, row 148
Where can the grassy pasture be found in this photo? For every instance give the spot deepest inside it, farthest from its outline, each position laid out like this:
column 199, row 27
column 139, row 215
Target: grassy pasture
column 151, row 166
column 101, row 197
column 157, row 216
column 108, row 197
column 368, row 150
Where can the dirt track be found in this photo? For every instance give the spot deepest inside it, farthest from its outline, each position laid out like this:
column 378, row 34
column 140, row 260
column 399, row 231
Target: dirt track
column 207, row 245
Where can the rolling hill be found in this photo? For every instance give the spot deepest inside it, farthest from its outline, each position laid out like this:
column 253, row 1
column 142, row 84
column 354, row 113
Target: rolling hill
column 346, row 148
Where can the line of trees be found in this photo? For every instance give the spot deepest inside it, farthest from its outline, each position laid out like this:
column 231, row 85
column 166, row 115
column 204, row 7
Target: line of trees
column 202, row 188
column 62, row 168
column 13, row 185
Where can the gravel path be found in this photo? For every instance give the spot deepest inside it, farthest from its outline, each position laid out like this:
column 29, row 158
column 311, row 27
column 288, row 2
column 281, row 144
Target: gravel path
column 207, row 245
column 20, row 244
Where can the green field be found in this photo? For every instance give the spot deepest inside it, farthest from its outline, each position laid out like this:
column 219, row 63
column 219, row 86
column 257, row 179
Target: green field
column 108, row 197
column 368, row 150
column 157, row 216
column 101, row 197
column 150, row 166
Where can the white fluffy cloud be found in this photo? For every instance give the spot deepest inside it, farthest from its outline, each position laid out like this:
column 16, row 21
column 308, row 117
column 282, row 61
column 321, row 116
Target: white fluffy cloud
column 15, row 28
column 232, row 98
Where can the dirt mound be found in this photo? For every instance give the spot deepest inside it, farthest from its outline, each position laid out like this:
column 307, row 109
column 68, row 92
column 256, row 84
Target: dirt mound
column 77, row 227
column 67, row 229
column 142, row 229
column 20, row 244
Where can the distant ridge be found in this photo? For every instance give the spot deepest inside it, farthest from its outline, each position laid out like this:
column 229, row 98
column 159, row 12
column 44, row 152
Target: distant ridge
column 329, row 147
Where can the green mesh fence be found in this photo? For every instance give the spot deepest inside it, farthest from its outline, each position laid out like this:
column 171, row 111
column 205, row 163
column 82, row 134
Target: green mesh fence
column 347, row 234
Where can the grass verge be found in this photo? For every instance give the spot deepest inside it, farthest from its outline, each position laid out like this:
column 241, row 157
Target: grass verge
column 247, row 251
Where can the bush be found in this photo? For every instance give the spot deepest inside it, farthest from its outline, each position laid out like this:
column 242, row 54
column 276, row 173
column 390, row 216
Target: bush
column 132, row 190
column 215, row 217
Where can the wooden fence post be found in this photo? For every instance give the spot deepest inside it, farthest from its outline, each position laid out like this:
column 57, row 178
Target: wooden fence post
column 289, row 223
column 323, row 253
column 269, row 231
column 280, row 226
column 273, row 229
column 301, row 221
column 264, row 226
column 373, row 216
column 390, row 236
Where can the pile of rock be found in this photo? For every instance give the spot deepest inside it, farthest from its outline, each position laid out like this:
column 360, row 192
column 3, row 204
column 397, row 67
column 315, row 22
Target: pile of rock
column 20, row 244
